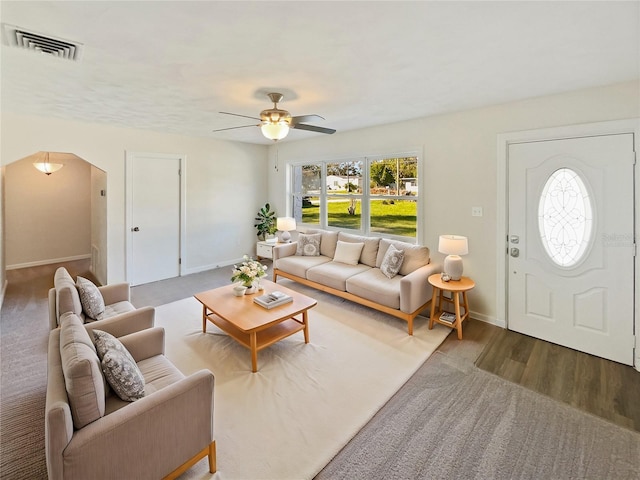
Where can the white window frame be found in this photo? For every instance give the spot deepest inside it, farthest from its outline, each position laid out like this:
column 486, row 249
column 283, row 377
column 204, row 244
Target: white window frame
column 364, row 197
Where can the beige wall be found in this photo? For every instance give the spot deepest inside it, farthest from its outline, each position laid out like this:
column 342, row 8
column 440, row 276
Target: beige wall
column 3, row 276
column 460, row 166
column 47, row 216
column 225, row 182
column 99, row 224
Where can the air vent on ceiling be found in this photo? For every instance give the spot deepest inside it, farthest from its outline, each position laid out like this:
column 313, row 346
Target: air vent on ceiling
column 22, row 38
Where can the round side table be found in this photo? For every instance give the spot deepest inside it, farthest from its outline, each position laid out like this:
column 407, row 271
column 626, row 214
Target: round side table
column 456, row 287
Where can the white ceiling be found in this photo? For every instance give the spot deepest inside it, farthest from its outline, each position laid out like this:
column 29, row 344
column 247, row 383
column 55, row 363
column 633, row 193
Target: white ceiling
column 173, row 66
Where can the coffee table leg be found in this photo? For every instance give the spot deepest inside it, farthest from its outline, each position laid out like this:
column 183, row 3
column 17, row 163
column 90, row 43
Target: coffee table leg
column 305, row 320
column 204, row 319
column 254, row 351
column 434, row 297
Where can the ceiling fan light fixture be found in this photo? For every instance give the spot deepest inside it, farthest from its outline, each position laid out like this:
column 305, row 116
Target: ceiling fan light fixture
column 275, row 131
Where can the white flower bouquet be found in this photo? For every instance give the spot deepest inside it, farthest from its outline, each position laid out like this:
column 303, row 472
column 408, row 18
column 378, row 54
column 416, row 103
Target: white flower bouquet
column 248, row 271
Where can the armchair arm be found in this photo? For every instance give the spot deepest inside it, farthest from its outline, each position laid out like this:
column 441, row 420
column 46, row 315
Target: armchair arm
column 415, row 290
column 145, row 344
column 148, row 438
column 126, row 323
column 116, row 292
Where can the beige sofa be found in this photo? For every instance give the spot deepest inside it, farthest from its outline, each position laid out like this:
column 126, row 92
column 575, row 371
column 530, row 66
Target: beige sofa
column 90, row 433
column 404, row 295
column 119, row 312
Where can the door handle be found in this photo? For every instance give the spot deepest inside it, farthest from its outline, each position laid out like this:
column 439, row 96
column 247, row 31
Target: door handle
column 515, row 252
column 515, row 239
column 135, row 229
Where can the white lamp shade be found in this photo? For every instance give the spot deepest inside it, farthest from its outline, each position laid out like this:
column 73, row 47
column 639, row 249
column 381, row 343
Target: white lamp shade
column 275, row 131
column 286, row 224
column 453, row 245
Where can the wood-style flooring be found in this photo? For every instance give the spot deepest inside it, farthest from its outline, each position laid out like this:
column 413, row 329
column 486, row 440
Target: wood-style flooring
column 598, row 386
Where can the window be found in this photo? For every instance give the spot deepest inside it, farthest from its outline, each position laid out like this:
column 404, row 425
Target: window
column 364, row 195
column 565, row 217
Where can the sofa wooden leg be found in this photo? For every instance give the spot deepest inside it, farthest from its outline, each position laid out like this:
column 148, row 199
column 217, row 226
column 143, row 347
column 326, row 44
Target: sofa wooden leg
column 206, row 451
column 212, row 457
column 410, row 322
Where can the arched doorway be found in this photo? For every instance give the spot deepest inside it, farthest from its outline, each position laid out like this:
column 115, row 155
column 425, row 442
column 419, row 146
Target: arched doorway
column 54, row 218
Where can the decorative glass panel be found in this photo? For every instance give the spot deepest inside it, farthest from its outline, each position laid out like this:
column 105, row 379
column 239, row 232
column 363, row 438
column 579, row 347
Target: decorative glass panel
column 565, row 217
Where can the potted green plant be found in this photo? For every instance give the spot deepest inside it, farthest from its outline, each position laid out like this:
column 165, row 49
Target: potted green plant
column 265, row 222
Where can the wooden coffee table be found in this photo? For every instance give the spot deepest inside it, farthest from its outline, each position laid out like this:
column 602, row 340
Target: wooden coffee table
column 251, row 325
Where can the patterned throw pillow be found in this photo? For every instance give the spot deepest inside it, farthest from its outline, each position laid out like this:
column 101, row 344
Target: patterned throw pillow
column 309, row 244
column 392, row 261
column 119, row 367
column 90, row 297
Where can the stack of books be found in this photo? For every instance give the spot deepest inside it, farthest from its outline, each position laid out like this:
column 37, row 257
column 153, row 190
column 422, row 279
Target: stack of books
column 273, row 299
column 448, row 317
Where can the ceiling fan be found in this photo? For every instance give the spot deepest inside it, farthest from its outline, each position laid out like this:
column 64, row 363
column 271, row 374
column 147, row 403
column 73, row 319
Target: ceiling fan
column 275, row 122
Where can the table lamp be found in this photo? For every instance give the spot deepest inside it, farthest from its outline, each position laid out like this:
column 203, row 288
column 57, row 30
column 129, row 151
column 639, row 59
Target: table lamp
column 285, row 225
column 453, row 246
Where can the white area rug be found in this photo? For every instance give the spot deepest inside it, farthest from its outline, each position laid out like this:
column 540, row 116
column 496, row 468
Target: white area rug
column 288, row 420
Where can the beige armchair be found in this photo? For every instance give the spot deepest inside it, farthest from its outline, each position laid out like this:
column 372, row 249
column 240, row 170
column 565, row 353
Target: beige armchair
column 119, row 313
column 90, row 434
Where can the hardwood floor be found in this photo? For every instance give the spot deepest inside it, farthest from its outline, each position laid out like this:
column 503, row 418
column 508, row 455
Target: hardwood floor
column 598, row 386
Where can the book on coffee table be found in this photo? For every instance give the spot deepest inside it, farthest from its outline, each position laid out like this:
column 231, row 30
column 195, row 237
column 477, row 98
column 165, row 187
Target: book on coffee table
column 273, row 299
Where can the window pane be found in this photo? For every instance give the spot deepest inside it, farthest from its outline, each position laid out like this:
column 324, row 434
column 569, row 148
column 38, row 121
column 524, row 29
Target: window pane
column 344, row 212
column 307, row 179
column 394, row 217
column 306, row 209
column 565, row 217
column 344, row 177
column 394, row 176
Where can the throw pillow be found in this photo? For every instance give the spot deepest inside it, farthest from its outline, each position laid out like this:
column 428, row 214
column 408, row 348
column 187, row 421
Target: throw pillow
column 347, row 252
column 90, row 297
column 392, row 262
column 119, row 367
column 309, row 245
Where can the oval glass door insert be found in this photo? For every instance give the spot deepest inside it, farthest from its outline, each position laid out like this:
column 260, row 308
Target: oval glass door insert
column 565, row 217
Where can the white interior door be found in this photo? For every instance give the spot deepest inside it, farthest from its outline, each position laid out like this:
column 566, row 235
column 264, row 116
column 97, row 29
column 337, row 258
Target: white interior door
column 571, row 243
column 154, row 217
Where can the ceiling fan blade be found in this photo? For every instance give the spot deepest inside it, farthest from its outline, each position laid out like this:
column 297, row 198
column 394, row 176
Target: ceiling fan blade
column 238, row 115
column 233, row 128
column 305, row 118
column 313, row 128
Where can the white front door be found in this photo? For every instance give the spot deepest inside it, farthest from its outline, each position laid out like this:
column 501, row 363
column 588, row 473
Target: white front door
column 571, row 243
column 154, row 217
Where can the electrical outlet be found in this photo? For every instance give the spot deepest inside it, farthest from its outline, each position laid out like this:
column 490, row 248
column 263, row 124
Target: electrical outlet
column 476, row 211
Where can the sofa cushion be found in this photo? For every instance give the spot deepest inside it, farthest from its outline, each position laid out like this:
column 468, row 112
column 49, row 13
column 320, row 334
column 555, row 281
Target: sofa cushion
column 375, row 286
column 299, row 265
column 392, row 262
column 370, row 250
column 308, row 244
column 114, row 309
column 347, row 252
column 119, row 367
column 67, row 297
column 335, row 274
column 82, row 373
column 328, row 241
column 90, row 298
column 415, row 256
column 158, row 373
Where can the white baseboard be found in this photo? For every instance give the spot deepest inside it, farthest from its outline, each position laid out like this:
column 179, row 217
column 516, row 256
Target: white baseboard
column 204, row 268
column 38, row 263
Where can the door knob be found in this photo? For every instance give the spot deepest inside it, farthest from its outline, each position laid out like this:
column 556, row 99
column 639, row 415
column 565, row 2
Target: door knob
column 515, row 252
column 135, row 229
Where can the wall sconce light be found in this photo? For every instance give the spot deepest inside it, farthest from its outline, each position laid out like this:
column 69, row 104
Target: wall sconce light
column 285, row 225
column 453, row 246
column 46, row 167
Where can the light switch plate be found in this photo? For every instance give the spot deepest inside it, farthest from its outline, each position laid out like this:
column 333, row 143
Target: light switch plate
column 476, row 211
